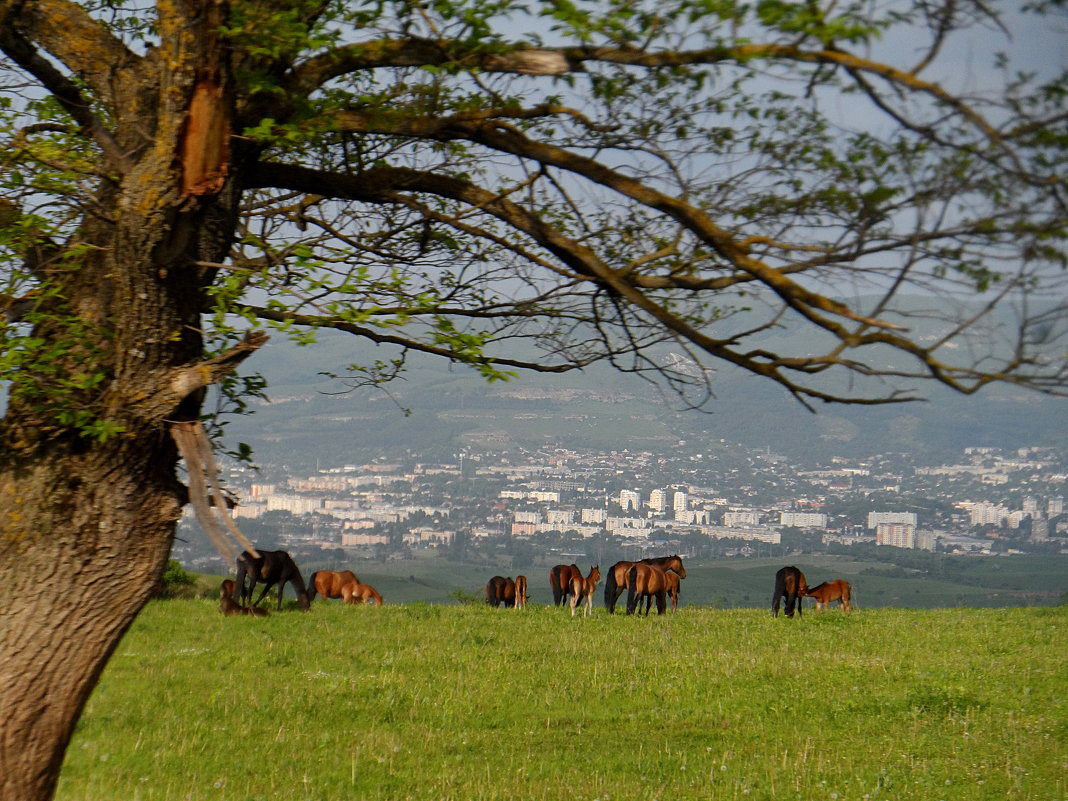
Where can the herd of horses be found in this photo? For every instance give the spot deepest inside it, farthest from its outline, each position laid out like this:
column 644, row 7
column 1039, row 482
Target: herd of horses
column 654, row 580
column 276, row 569
column 791, row 587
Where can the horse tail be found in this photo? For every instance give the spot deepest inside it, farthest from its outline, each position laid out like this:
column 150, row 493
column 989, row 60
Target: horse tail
column 610, row 592
column 311, row 586
column 780, row 591
column 298, row 583
column 554, row 582
column 631, row 587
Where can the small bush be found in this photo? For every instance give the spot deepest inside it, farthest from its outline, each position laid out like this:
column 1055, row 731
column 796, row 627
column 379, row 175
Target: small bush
column 177, row 582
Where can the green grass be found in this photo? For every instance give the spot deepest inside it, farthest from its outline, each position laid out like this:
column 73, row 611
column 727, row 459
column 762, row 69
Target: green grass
column 422, row 701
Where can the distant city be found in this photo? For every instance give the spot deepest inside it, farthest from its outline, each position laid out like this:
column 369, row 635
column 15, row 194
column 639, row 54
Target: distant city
column 721, row 501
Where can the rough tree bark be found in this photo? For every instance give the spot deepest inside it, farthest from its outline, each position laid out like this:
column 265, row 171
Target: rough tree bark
column 96, row 520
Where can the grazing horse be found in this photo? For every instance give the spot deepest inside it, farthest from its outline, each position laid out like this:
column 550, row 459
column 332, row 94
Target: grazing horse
column 356, row 593
column 272, row 567
column 521, row 592
column 837, row 590
column 790, row 585
column 330, row 584
column 229, row 607
column 500, row 590
column 582, row 589
column 616, row 581
column 560, row 581
column 646, row 581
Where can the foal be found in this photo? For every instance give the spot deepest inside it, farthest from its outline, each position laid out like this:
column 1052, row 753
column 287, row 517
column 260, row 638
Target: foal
column 520, row 592
column 229, row 607
column 582, row 589
column 837, row 590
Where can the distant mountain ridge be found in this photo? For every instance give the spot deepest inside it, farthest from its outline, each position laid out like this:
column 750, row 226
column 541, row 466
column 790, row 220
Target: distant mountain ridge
column 443, row 407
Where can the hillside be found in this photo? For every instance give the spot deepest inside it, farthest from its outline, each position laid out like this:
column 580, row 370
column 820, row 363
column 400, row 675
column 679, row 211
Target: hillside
column 440, row 408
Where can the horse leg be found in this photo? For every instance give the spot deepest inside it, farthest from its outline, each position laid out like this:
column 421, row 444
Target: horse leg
column 574, row 603
column 266, row 588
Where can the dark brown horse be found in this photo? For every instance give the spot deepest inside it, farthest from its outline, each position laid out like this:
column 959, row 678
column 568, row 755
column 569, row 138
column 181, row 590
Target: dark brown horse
column 837, row 590
column 521, row 592
column 356, row 593
column 582, row 590
column 500, row 590
column 560, row 581
column 272, row 567
column 617, row 577
column 329, row 583
column 790, row 585
column 229, row 607
column 646, row 581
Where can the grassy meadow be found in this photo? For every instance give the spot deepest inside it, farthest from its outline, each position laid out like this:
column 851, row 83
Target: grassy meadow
column 421, row 701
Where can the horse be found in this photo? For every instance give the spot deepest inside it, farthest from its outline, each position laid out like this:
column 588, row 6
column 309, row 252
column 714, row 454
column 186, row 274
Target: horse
column 616, row 580
column 582, row 589
column 673, row 586
column 229, row 607
column 272, row 567
column 521, row 592
column 790, row 585
column 500, row 590
column 560, row 581
column 356, row 593
column 837, row 590
column 329, row 583
column 646, row 581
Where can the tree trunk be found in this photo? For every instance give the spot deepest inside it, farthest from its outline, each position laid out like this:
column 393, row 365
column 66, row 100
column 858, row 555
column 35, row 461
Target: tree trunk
column 87, row 517
column 84, row 543
column 86, row 526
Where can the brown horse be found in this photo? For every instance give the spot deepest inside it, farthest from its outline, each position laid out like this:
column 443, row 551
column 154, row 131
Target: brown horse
column 229, row 607
column 790, row 585
column 616, row 580
column 272, row 567
column 521, row 592
column 646, row 581
column 837, row 590
column 356, row 593
column 560, row 581
column 329, row 583
column 582, row 589
column 673, row 586
column 500, row 590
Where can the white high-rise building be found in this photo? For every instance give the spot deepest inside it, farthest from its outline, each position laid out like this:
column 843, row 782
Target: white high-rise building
column 658, row 500
column 679, row 502
column 803, row 519
column 628, row 499
column 742, row 518
column 901, row 535
column 906, row 518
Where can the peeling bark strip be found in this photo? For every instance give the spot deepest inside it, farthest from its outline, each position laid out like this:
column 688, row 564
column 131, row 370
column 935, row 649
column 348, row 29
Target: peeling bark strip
column 205, row 492
column 204, row 143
